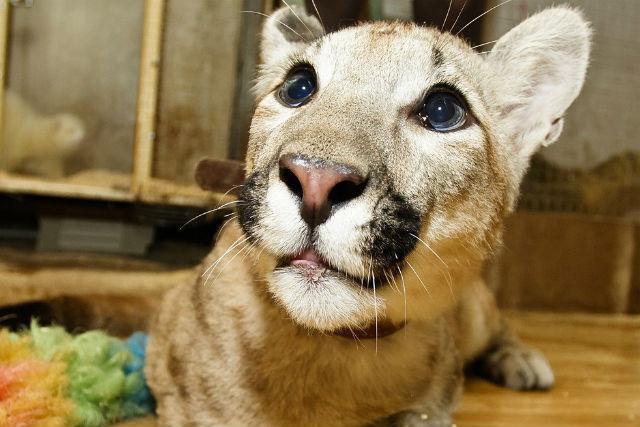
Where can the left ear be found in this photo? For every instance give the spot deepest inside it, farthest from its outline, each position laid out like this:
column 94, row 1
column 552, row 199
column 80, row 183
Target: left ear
column 541, row 66
column 285, row 31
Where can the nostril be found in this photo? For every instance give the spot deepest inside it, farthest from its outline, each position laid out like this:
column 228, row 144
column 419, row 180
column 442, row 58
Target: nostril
column 291, row 181
column 347, row 190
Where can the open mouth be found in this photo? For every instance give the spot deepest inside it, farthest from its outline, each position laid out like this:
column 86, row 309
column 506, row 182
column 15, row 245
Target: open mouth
column 311, row 264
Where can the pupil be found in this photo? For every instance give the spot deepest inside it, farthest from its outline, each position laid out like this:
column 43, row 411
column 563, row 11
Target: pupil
column 300, row 89
column 440, row 110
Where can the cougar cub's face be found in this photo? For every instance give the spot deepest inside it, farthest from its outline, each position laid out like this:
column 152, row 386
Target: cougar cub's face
column 380, row 165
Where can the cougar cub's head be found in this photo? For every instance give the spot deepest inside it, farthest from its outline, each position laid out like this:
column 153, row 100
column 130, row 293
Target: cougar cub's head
column 384, row 157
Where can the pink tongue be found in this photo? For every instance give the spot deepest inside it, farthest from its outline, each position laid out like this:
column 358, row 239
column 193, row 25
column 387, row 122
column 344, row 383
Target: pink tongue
column 308, row 258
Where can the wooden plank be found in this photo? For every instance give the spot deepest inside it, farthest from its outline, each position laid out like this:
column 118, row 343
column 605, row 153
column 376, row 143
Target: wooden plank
column 247, row 64
column 27, row 185
column 4, row 28
column 147, row 94
column 198, row 81
column 105, row 185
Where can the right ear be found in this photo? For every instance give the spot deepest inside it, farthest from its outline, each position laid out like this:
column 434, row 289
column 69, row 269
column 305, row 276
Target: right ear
column 288, row 29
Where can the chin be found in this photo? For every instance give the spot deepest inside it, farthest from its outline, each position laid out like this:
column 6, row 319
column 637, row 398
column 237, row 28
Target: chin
column 323, row 299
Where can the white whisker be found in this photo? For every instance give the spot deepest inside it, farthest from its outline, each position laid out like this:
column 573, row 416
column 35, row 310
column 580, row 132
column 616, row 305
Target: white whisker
column 238, row 241
column 299, row 19
column 375, row 303
column 481, row 15
column 209, row 212
column 458, row 17
column 315, row 7
column 418, row 276
column 404, row 290
column 244, row 248
column 446, row 269
column 483, row 44
column 234, row 215
column 447, row 15
column 278, row 21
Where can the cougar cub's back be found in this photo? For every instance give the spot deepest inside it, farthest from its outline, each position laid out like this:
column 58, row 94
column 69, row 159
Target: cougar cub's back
column 382, row 161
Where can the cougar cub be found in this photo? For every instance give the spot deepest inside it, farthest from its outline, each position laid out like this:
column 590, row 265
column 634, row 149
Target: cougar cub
column 382, row 161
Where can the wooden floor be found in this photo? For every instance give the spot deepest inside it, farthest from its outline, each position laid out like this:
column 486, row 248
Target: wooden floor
column 596, row 360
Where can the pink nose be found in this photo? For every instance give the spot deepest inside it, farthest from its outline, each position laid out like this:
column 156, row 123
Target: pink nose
column 320, row 185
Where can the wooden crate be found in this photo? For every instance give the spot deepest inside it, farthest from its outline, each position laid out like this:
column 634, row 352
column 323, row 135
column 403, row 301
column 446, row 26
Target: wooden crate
column 180, row 94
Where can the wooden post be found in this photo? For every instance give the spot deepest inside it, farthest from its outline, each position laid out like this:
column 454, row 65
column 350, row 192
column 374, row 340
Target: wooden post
column 147, row 94
column 4, row 30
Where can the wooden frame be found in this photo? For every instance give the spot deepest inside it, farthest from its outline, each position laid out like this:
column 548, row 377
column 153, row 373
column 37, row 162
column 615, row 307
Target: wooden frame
column 4, row 30
column 147, row 94
column 140, row 185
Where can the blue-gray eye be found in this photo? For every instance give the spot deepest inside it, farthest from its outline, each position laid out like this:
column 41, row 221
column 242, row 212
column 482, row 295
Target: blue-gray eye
column 443, row 112
column 299, row 86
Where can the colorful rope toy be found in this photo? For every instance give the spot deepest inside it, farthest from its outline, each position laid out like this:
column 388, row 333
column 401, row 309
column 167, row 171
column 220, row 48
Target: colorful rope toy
column 51, row 378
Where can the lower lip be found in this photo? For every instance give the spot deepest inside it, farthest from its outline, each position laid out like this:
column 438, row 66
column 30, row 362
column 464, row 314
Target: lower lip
column 306, row 263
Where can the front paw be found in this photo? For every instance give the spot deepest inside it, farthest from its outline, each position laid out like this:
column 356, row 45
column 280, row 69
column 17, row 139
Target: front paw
column 517, row 367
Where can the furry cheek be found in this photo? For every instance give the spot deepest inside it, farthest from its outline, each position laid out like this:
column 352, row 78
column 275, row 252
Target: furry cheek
column 281, row 222
column 341, row 238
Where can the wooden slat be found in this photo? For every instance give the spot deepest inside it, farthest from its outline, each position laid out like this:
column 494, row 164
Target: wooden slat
column 37, row 186
column 4, row 30
column 147, row 93
column 247, row 62
column 105, row 185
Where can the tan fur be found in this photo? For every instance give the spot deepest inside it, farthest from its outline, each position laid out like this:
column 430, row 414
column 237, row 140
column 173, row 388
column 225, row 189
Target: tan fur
column 252, row 343
column 36, row 144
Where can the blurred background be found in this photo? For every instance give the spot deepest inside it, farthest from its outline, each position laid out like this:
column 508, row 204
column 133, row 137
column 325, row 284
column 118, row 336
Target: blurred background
column 108, row 105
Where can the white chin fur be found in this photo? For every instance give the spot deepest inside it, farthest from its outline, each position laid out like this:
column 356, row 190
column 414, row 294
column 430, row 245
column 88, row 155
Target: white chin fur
column 324, row 303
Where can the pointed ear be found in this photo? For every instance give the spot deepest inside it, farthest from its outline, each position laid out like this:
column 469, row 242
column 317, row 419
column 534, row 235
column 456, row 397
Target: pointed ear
column 541, row 66
column 286, row 30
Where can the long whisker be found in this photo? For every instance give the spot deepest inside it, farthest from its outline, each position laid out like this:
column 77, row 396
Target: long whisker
column 355, row 336
column 315, row 7
column 234, row 215
column 237, row 242
column 389, row 280
column 447, row 15
column 418, row 276
column 278, row 21
column 209, row 212
column 481, row 15
column 446, row 269
column 243, row 249
column 231, row 189
column 223, row 267
column 483, row 44
column 404, row 291
column 375, row 304
column 214, row 264
column 458, row 17
column 299, row 19
column 429, row 247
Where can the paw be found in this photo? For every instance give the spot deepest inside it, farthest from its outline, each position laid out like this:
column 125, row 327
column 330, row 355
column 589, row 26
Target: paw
column 518, row 367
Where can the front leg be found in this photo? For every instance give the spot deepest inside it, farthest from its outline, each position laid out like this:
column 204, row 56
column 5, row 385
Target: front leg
column 497, row 353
